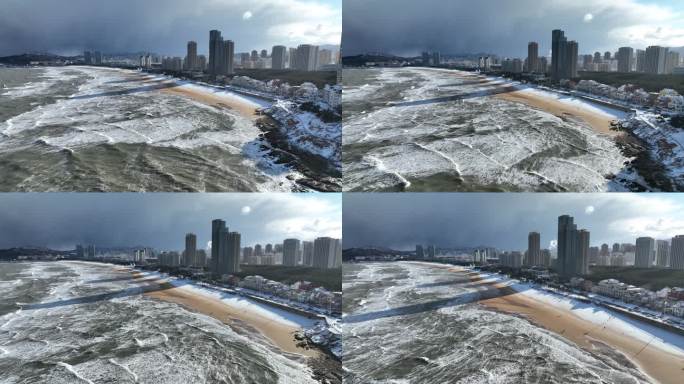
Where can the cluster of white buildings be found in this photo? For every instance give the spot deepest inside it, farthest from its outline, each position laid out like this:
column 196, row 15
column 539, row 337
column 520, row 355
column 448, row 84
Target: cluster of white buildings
column 330, row 94
column 301, row 291
column 666, row 99
column 667, row 300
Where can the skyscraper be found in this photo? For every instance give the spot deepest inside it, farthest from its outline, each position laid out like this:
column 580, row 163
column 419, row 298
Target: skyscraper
column 268, row 248
column 419, row 252
column 190, row 250
column 306, row 57
column 662, row 253
column 191, row 57
column 258, row 251
column 533, row 249
column 571, row 59
column 656, row 58
column 582, row 256
column 625, row 57
column 677, row 252
column 218, row 231
column 573, row 248
column 307, row 253
column 640, row 60
column 532, row 57
column 215, row 48
column 325, row 252
column 645, row 248
column 290, row 252
column 278, row 57
column 227, row 55
column 558, row 50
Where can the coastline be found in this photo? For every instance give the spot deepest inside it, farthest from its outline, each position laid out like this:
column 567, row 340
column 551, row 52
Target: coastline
column 534, row 98
column 196, row 92
column 278, row 333
column 661, row 365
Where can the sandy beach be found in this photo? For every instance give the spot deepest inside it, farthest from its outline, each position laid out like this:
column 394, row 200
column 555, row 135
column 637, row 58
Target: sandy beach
column 280, row 335
column 227, row 101
column 601, row 123
column 663, row 366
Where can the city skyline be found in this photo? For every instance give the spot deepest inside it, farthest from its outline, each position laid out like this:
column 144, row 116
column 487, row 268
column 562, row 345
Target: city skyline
column 164, row 27
column 475, row 220
column 607, row 27
column 60, row 221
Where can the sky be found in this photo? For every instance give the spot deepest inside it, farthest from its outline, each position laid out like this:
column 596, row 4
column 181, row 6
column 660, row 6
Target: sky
column 69, row 27
column 400, row 221
column 161, row 220
column 407, row 27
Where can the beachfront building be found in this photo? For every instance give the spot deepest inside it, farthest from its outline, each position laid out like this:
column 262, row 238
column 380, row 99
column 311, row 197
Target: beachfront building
column 190, row 254
column 573, row 248
column 662, row 253
column 278, row 57
column 533, row 249
column 327, row 253
column 306, row 58
column 191, row 61
column 564, row 55
column 221, row 54
column 225, row 249
column 677, row 252
column 291, row 249
column 533, row 57
column 655, row 60
column 625, row 56
column 645, row 251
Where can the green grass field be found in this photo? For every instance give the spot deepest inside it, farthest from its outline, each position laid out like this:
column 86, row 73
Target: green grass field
column 330, row 279
column 649, row 278
column 320, row 78
column 650, row 83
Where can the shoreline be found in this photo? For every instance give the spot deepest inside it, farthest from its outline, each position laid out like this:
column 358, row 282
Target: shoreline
column 277, row 333
column 598, row 122
column 656, row 363
column 196, row 92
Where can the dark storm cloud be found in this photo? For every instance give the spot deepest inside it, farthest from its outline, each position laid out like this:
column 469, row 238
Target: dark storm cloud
column 161, row 220
column 162, row 26
column 407, row 27
column 503, row 220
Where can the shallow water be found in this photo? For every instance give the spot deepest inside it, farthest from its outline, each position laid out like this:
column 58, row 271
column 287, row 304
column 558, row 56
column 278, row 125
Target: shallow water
column 99, row 129
column 414, row 323
column 405, row 131
column 72, row 322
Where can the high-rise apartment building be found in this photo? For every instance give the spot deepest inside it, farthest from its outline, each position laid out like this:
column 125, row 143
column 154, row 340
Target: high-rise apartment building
column 645, row 249
column 573, row 248
column 655, row 60
column 278, row 56
column 677, row 252
column 191, row 62
column 306, row 58
column 625, row 57
column 190, row 259
column 326, row 250
column 290, row 252
column 533, row 249
column 533, row 57
column 564, row 55
column 221, row 54
column 308, row 253
column 662, row 253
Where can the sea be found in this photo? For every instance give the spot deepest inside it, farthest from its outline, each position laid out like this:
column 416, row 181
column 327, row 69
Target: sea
column 79, row 322
column 406, row 322
column 421, row 129
column 104, row 129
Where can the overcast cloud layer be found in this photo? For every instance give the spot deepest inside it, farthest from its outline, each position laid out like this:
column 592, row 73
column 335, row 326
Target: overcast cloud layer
column 407, row 27
column 400, row 221
column 61, row 220
column 163, row 26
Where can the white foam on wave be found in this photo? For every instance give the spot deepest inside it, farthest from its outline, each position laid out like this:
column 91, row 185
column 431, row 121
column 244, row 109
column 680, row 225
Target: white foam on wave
column 73, row 371
column 125, row 368
column 483, row 138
